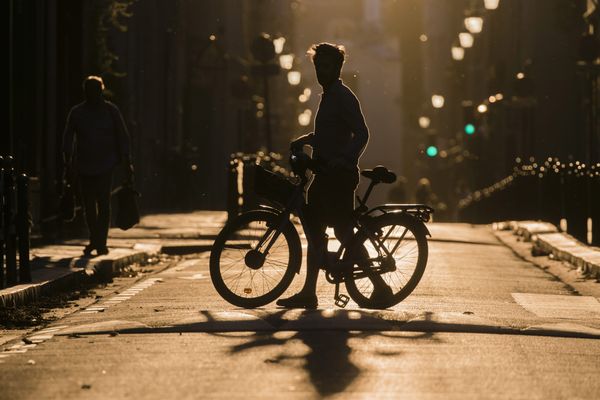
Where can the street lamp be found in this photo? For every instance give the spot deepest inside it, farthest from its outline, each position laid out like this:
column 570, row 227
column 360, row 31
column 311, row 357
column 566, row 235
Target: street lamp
column 491, row 4
column 263, row 51
column 294, row 78
column 437, row 101
column 482, row 108
column 304, row 96
column 458, row 53
column 278, row 43
column 304, row 118
column 474, row 24
column 466, row 39
column 286, row 61
column 424, row 122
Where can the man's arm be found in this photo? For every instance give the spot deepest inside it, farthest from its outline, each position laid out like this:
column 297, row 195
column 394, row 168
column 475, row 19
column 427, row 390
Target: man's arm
column 123, row 134
column 68, row 139
column 123, row 141
column 353, row 117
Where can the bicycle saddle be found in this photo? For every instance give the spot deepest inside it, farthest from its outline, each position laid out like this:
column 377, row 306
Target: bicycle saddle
column 379, row 174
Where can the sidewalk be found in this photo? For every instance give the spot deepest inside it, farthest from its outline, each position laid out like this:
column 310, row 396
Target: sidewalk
column 57, row 267
column 548, row 240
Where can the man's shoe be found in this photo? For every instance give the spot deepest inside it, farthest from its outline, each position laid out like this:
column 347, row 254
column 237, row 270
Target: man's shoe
column 102, row 250
column 299, row 300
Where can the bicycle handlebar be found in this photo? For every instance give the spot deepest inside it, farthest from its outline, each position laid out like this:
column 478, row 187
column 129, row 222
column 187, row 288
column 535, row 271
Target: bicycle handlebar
column 300, row 162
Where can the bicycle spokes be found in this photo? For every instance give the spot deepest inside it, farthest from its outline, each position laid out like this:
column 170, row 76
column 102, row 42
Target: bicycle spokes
column 247, row 269
column 389, row 257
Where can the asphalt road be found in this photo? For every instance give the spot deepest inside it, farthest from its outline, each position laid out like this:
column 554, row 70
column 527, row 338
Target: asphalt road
column 483, row 323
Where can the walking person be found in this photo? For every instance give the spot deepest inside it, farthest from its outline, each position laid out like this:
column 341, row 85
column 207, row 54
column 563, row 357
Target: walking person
column 95, row 141
column 338, row 141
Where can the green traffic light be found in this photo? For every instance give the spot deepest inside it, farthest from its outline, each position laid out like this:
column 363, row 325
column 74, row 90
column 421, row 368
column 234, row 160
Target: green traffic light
column 432, row 151
column 469, row 129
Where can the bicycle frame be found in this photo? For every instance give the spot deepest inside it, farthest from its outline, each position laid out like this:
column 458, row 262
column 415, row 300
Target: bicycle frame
column 360, row 223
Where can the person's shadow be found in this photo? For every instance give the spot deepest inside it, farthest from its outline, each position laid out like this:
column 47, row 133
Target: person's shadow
column 328, row 362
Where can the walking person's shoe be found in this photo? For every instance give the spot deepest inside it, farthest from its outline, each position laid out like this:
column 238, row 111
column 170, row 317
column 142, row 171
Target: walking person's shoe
column 299, row 300
column 102, row 250
column 87, row 250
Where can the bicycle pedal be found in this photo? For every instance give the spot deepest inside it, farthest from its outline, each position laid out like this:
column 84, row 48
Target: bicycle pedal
column 341, row 300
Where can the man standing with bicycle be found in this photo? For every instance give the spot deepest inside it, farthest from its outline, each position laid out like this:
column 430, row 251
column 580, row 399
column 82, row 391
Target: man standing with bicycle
column 338, row 141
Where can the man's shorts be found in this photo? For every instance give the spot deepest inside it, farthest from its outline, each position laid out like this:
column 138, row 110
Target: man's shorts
column 331, row 197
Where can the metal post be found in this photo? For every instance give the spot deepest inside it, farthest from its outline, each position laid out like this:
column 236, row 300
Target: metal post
column 23, row 228
column 2, row 237
column 9, row 223
column 233, row 194
column 268, row 115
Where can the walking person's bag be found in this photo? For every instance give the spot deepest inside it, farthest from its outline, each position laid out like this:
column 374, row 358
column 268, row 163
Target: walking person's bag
column 128, row 213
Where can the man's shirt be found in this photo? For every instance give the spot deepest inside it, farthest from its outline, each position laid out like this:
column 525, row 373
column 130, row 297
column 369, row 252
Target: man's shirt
column 340, row 129
column 97, row 135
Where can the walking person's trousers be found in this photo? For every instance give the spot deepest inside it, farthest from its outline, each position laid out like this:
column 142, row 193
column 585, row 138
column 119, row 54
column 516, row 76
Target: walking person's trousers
column 95, row 193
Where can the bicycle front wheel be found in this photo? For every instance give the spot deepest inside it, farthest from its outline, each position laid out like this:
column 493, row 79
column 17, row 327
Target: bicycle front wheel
column 391, row 251
column 243, row 271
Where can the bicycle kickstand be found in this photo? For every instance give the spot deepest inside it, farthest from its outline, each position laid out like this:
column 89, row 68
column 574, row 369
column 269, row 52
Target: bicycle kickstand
column 341, row 300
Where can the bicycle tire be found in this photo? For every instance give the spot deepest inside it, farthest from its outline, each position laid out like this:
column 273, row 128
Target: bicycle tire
column 248, row 287
column 410, row 260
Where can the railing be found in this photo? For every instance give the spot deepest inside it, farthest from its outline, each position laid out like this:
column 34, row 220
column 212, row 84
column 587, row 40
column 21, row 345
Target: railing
column 566, row 194
column 14, row 225
column 241, row 194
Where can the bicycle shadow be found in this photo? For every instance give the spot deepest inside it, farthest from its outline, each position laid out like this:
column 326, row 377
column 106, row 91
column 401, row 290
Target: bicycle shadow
column 328, row 361
column 328, row 336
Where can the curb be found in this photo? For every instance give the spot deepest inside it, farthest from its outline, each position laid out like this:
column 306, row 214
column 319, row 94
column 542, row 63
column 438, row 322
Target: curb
column 54, row 277
column 548, row 240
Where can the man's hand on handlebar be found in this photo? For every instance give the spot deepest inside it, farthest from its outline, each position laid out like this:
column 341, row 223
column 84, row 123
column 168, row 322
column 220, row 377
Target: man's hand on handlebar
column 297, row 144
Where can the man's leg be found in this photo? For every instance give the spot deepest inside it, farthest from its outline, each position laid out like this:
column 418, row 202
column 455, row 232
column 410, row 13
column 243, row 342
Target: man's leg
column 103, row 199
column 317, row 245
column 88, row 195
column 315, row 254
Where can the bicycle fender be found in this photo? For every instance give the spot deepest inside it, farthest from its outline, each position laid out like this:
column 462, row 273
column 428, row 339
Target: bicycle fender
column 416, row 221
column 269, row 208
column 277, row 212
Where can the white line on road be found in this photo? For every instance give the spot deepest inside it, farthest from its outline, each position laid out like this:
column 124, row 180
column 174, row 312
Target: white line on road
column 559, row 306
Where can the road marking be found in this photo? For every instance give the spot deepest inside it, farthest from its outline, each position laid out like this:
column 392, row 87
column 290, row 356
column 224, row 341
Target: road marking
column 186, row 264
column 559, row 306
column 33, row 340
column 120, row 297
column 40, row 337
column 193, row 277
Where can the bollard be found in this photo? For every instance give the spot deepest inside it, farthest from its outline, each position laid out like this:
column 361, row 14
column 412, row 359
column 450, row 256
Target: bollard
column 594, row 190
column 2, row 241
column 232, row 192
column 10, row 237
column 250, row 199
column 23, row 228
column 551, row 197
column 576, row 205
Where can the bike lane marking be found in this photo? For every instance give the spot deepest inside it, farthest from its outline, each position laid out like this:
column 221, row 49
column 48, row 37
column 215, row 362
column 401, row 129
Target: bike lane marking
column 120, row 297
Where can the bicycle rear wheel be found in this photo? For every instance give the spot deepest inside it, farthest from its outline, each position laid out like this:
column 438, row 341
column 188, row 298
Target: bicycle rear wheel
column 405, row 260
column 240, row 270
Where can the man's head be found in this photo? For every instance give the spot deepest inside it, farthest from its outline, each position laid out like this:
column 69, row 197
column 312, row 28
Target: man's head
column 328, row 59
column 93, row 86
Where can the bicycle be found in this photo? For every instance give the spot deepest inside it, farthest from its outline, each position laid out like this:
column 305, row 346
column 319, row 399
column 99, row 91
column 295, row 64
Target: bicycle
column 256, row 254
